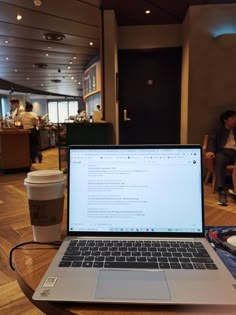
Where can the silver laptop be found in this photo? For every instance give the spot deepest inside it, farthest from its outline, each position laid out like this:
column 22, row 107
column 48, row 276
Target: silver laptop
column 136, row 230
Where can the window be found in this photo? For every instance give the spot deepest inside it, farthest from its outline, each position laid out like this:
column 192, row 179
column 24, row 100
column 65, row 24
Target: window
column 60, row 111
column 73, row 108
column 52, row 112
column 63, row 112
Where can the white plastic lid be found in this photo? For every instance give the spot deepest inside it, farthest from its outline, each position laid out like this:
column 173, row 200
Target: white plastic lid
column 45, row 176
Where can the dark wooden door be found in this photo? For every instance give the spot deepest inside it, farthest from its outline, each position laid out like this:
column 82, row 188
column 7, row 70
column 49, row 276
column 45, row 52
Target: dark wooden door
column 149, row 92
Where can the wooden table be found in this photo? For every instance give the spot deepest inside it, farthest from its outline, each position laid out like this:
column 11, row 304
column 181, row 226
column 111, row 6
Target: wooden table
column 31, row 261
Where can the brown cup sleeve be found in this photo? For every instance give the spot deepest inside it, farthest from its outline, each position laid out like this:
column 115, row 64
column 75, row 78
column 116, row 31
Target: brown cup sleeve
column 46, row 212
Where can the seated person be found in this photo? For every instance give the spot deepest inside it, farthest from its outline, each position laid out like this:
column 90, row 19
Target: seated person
column 81, row 116
column 97, row 115
column 222, row 147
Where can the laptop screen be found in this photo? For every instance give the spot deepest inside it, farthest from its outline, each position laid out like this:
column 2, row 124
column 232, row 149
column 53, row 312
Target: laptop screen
column 135, row 189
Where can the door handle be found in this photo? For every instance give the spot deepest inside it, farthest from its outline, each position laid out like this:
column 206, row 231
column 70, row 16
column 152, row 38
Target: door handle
column 125, row 115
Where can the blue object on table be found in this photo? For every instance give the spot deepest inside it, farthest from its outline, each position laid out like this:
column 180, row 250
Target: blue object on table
column 217, row 236
column 228, row 259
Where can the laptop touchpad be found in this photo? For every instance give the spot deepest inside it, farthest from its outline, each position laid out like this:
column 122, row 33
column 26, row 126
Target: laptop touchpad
column 132, row 285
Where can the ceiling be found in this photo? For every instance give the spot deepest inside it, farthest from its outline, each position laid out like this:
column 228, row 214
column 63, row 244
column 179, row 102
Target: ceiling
column 31, row 63
column 162, row 11
column 49, row 66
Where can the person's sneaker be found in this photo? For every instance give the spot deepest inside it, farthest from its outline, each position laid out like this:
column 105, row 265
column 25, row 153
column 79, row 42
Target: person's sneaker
column 222, row 198
column 232, row 193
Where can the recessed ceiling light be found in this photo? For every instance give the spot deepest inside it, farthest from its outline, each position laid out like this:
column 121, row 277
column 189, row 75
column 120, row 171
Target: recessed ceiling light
column 19, row 17
column 40, row 65
column 6, row 58
column 37, row 3
column 6, row 41
column 79, row 82
column 74, row 57
column 46, row 55
column 91, row 43
column 27, row 78
column 54, row 36
column 15, row 70
column 70, row 62
column 68, row 67
column 56, row 80
column 72, row 78
column 147, row 12
column 42, row 84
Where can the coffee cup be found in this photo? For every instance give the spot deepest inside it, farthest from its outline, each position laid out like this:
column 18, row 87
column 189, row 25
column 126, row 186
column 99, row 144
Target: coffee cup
column 45, row 190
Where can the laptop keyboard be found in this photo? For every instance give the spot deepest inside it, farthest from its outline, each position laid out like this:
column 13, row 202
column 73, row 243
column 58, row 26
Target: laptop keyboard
column 137, row 254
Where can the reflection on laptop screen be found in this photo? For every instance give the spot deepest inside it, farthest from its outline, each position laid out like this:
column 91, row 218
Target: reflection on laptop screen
column 135, row 189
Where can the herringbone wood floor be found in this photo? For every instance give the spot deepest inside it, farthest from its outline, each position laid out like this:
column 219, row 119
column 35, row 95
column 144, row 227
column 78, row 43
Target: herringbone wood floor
column 14, row 221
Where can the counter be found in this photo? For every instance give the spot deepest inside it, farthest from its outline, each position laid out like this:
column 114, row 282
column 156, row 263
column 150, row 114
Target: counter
column 14, row 149
column 47, row 138
column 83, row 133
column 89, row 133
